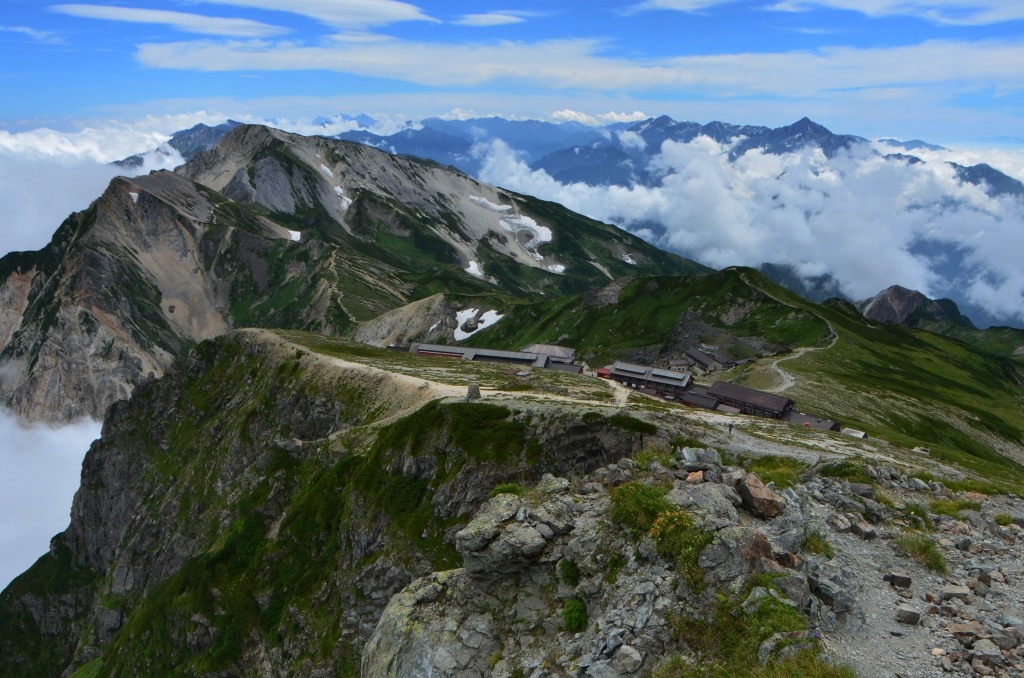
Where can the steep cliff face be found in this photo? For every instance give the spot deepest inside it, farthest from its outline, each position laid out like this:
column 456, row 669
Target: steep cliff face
column 261, row 504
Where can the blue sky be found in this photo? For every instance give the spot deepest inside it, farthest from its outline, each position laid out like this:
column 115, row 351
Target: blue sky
column 949, row 71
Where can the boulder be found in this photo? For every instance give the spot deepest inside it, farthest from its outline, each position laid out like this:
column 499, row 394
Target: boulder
column 759, row 499
column 906, row 614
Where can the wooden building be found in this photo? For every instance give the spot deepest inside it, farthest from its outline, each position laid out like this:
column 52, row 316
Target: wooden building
column 751, row 401
column 810, row 421
column 663, row 382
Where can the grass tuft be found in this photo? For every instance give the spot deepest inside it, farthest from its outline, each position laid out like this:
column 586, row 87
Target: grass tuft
column 574, row 615
column 508, row 488
column 1003, row 519
column 637, row 506
column 952, row 507
column 924, row 550
column 569, row 571
column 816, row 542
column 783, row 471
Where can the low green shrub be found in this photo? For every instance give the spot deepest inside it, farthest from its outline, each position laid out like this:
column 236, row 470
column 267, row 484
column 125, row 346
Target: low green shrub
column 1003, row 519
column 649, row 454
column 637, row 506
column 569, row 571
column 680, row 542
column 726, row 645
column 919, row 514
column 924, row 550
column 508, row 488
column 853, row 471
column 574, row 615
column 783, row 471
column 952, row 507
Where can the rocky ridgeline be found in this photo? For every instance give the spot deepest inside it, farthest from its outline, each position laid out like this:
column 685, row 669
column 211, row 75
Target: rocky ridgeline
column 551, row 585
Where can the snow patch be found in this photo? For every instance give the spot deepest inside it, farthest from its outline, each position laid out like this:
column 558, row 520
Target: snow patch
column 483, row 322
column 296, row 236
column 327, row 170
column 484, row 202
column 628, row 259
column 346, row 202
column 134, row 196
column 474, row 269
column 434, row 326
column 556, row 268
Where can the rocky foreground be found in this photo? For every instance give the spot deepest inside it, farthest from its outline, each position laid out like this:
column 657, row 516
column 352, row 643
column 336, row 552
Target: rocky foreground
column 831, row 550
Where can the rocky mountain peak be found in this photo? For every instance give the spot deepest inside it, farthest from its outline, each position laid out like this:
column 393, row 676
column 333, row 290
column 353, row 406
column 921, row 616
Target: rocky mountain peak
column 904, row 306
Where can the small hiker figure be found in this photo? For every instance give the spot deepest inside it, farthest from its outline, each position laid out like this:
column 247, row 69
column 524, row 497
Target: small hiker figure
column 730, row 429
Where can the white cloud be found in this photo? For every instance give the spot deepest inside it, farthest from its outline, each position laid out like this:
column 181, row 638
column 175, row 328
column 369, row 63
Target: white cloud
column 490, row 19
column 949, row 12
column 569, row 115
column 340, row 13
column 46, row 174
column 855, row 216
column 48, row 37
column 41, row 469
column 191, row 23
column 631, row 140
column 944, row 69
column 679, row 5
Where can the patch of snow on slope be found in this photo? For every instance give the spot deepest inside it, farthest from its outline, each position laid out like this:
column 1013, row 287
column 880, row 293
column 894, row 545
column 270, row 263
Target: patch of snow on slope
column 518, row 223
column 556, row 268
column 296, row 236
column 434, row 326
column 483, row 322
column 134, row 196
column 474, row 269
column 628, row 259
column 327, row 170
column 346, row 202
column 484, row 202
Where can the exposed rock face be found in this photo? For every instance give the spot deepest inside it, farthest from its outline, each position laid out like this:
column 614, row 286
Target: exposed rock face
column 902, row 306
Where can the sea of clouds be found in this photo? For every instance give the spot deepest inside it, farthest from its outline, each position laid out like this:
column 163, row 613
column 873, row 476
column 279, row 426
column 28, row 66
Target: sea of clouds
column 40, row 469
column 867, row 221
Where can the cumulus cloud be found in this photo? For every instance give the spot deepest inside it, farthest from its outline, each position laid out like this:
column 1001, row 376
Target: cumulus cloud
column 869, row 222
column 41, row 472
column 569, row 115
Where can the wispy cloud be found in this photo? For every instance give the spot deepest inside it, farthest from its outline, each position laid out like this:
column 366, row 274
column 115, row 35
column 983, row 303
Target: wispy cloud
column 678, row 5
column 949, row 12
column 190, row 23
column 490, row 19
column 340, row 13
column 956, row 66
column 46, row 37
